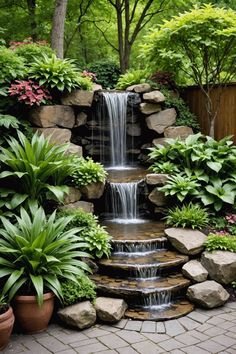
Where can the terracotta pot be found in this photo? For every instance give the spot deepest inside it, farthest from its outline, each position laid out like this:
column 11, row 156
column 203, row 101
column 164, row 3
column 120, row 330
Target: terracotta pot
column 30, row 317
column 6, row 324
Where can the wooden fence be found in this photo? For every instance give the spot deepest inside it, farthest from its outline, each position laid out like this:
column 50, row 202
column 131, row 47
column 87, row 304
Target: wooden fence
column 226, row 117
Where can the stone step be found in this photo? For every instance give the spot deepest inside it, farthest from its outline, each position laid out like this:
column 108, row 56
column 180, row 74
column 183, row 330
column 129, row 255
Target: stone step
column 127, row 175
column 147, row 265
column 163, row 313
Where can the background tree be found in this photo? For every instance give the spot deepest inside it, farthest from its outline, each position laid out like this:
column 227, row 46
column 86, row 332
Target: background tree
column 199, row 45
column 58, row 25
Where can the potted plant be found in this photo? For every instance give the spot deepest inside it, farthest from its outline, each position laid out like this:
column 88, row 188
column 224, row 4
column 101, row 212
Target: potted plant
column 7, row 320
column 36, row 253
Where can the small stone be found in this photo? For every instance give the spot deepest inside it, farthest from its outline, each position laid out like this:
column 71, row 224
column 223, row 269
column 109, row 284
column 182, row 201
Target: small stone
column 109, row 309
column 85, row 206
column 149, row 108
column 52, row 116
column 157, row 197
column 81, row 315
column 139, row 88
column 195, row 271
column 156, row 179
column 160, row 121
column 78, row 98
column 133, row 129
column 160, row 141
column 154, row 96
column 73, row 196
column 56, row 136
column 93, row 190
column 186, row 241
column 181, row 132
column 74, row 149
column 81, row 119
column 221, row 265
column 208, row 294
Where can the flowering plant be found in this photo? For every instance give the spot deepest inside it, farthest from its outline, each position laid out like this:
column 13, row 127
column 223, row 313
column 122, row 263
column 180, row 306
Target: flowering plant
column 225, row 224
column 89, row 74
column 29, row 92
column 26, row 41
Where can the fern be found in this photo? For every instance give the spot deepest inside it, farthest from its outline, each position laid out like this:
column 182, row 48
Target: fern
column 8, row 121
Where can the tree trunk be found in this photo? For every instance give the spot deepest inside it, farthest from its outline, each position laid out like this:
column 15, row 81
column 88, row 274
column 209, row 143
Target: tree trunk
column 31, row 4
column 58, row 25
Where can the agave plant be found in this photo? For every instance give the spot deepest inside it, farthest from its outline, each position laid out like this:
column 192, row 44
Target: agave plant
column 36, row 166
column 37, row 252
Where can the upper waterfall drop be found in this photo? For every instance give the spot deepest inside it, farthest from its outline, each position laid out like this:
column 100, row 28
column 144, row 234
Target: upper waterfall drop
column 116, row 103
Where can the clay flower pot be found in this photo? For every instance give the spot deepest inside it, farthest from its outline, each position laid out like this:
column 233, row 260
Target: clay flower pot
column 30, row 317
column 6, row 324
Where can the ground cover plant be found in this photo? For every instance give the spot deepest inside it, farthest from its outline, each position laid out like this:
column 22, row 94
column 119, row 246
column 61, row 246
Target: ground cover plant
column 224, row 224
column 86, row 171
column 221, row 242
column 204, row 170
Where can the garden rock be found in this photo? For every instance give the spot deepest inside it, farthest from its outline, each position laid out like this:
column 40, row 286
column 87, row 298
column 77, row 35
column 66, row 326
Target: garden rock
column 85, row 206
column 81, row 315
column 74, row 149
column 181, row 132
column 52, row 116
column 78, row 98
column 221, row 265
column 96, row 87
column 93, row 190
column 154, row 96
column 133, row 129
column 157, row 197
column 81, row 119
column 149, row 108
column 140, row 88
column 110, row 310
column 208, row 294
column 160, row 141
column 160, row 121
column 195, row 271
column 186, row 241
column 156, row 179
column 73, row 196
column 55, row 135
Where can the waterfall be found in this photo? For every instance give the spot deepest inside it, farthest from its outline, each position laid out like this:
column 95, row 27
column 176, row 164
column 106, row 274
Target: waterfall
column 116, row 103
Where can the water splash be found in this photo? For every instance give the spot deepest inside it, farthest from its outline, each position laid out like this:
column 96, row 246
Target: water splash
column 124, row 201
column 139, row 247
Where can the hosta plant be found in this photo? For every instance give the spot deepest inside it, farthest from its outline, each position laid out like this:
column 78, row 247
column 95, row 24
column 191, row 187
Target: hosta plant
column 132, row 77
column 29, row 92
column 181, row 187
column 191, row 216
column 36, row 253
column 86, row 171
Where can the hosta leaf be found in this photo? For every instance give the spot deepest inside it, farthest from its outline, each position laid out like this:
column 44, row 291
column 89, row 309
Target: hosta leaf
column 215, row 166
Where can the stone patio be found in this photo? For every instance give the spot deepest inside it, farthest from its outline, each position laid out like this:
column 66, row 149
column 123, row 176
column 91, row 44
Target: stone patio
column 200, row 332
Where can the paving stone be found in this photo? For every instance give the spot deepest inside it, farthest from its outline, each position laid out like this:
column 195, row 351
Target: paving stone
column 108, row 352
column 112, row 341
column 147, row 347
column 199, row 317
column 131, row 336
column 198, row 335
column 215, row 320
column 67, row 351
column 188, row 323
column 232, row 351
column 148, row 326
column 121, row 324
column 215, row 331
column 157, row 338
column 195, row 350
column 170, row 344
column 211, row 346
column 227, row 316
column 14, row 348
column 126, row 350
column 176, row 351
column 52, row 343
column 187, row 339
column 231, row 334
column 84, row 342
column 173, row 328
column 92, row 348
column 225, row 325
column 225, row 340
column 35, row 347
column 160, row 327
column 70, row 338
column 231, row 305
column 204, row 327
column 133, row 325
column 109, row 328
column 97, row 332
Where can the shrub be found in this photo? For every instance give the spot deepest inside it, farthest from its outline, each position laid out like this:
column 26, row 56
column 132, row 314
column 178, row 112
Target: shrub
column 191, row 216
column 84, row 83
column 132, row 77
column 164, row 79
column 86, row 171
column 29, row 51
column 107, row 73
column 29, row 92
column 90, row 75
column 12, row 66
column 216, row 242
column 225, row 223
column 74, row 291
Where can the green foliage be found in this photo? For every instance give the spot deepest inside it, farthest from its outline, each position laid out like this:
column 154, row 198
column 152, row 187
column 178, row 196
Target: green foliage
column 53, row 72
column 164, row 167
column 204, row 169
column 132, row 77
column 9, row 125
column 7, row 121
column 29, row 52
column 37, row 252
column 37, row 168
column 12, row 66
column 96, row 237
column 216, row 242
column 84, row 83
column 191, row 216
column 107, row 72
column 224, row 224
column 86, row 171
column 81, row 289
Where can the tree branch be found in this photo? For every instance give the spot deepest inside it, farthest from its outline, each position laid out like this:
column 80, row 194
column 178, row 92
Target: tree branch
column 104, row 36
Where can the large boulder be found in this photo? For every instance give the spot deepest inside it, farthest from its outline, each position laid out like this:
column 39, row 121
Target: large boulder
column 109, row 309
column 221, row 265
column 195, row 271
column 93, row 190
column 56, row 135
column 52, row 116
column 139, row 88
column 74, row 149
column 181, row 132
column 85, row 206
column 78, row 98
column 73, row 196
column 156, row 179
column 81, row 119
column 208, row 294
column 149, row 108
column 186, row 241
column 154, row 96
column 81, row 315
column 160, row 121
column 157, row 197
